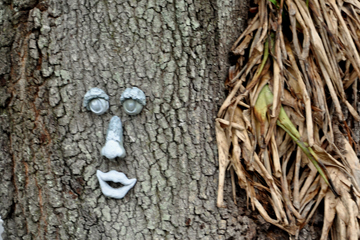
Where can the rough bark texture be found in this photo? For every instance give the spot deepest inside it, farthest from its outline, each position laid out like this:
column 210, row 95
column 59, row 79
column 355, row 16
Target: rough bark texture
column 51, row 53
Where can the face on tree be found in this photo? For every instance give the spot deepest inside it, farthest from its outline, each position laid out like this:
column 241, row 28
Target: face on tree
column 97, row 101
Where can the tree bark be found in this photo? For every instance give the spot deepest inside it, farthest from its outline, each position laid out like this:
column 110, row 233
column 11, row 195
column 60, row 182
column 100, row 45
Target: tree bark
column 52, row 52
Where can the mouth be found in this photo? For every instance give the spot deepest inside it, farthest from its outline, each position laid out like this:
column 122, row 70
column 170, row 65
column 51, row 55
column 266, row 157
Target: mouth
column 116, row 177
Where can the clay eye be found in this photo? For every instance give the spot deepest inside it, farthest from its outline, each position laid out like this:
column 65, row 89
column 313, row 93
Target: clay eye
column 133, row 100
column 96, row 100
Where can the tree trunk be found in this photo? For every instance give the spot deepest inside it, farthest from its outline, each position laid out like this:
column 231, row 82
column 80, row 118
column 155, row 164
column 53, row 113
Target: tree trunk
column 52, row 52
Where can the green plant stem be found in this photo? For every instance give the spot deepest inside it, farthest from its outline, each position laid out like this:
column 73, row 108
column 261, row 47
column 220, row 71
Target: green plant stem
column 265, row 99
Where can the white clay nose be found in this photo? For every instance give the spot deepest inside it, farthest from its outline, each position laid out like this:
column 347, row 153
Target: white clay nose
column 114, row 140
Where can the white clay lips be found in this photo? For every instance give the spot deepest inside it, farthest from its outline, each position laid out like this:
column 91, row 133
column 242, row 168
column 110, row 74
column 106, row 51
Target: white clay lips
column 117, row 177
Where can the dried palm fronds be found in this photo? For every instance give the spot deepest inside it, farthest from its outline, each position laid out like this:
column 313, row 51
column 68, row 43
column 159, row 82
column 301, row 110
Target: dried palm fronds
column 282, row 128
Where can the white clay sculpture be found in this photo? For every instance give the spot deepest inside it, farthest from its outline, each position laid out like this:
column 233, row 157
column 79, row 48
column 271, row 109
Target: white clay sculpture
column 133, row 100
column 117, row 177
column 96, row 100
column 114, row 140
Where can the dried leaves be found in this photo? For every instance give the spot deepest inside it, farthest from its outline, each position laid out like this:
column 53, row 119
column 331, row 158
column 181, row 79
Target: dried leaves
column 281, row 129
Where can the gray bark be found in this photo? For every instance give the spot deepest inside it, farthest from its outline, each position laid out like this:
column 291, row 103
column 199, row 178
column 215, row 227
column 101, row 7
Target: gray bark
column 51, row 53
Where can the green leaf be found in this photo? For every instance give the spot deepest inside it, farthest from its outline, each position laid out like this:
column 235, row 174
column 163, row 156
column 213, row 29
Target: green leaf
column 265, row 100
column 275, row 3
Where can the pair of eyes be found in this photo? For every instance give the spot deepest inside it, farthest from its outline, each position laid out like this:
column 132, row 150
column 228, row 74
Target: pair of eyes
column 132, row 99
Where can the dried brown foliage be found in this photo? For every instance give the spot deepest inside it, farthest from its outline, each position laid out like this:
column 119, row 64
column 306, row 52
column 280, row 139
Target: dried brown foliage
column 307, row 54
